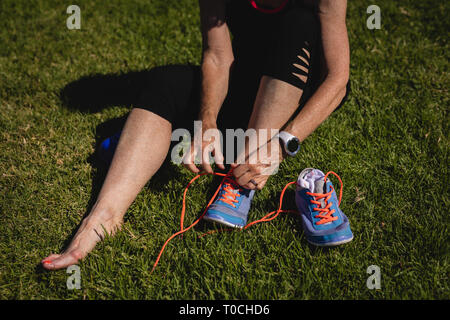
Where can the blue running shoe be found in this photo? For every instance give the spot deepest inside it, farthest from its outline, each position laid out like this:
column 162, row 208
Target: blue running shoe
column 323, row 221
column 231, row 206
column 108, row 147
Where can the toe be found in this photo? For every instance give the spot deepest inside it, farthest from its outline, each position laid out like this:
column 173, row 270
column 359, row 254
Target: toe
column 63, row 261
column 50, row 258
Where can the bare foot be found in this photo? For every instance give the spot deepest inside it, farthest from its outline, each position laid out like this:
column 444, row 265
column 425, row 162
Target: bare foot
column 91, row 231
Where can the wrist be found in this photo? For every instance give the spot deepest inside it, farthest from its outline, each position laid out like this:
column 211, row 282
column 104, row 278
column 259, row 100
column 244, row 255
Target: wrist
column 290, row 129
column 208, row 124
column 208, row 120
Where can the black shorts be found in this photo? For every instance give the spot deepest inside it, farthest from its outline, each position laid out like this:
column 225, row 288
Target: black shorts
column 263, row 44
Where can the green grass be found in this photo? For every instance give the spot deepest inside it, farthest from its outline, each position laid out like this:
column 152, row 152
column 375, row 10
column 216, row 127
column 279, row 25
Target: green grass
column 389, row 144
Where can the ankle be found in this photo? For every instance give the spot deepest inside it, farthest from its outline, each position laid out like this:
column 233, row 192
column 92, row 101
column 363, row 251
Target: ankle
column 106, row 216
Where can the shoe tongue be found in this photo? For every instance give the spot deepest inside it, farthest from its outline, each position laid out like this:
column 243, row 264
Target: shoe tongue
column 313, row 180
column 319, row 186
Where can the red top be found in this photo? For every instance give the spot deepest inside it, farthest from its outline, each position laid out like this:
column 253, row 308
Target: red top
column 274, row 10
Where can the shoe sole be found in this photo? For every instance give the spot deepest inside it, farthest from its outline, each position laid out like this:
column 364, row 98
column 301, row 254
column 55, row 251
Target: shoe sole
column 228, row 224
column 330, row 244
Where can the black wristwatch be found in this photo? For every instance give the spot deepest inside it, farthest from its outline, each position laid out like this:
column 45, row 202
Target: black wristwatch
column 290, row 143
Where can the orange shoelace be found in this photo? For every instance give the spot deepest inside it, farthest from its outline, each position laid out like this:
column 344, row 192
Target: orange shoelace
column 325, row 214
column 228, row 180
column 229, row 196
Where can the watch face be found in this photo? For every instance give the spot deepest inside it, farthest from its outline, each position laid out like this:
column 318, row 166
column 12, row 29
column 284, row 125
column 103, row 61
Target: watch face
column 292, row 145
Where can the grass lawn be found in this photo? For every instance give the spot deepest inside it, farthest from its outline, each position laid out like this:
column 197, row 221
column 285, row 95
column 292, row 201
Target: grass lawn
column 389, row 144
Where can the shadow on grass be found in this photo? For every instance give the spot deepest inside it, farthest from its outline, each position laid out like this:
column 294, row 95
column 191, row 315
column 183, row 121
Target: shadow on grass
column 94, row 93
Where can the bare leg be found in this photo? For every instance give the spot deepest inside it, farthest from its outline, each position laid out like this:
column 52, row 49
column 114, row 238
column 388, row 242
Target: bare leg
column 275, row 103
column 142, row 148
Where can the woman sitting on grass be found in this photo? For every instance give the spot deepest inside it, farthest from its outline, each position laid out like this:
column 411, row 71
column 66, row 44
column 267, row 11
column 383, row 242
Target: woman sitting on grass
column 286, row 68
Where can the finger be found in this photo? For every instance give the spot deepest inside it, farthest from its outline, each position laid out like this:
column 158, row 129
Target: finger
column 188, row 161
column 207, row 167
column 244, row 180
column 241, row 158
column 220, row 165
column 250, row 186
column 192, row 167
column 218, row 158
column 261, row 184
column 258, row 177
column 254, row 183
column 240, row 170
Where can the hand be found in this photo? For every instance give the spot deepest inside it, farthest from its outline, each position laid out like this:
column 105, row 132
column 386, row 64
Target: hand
column 259, row 165
column 203, row 148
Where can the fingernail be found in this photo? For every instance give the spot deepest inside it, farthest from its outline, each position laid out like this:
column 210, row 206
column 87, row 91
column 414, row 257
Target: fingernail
column 46, row 261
